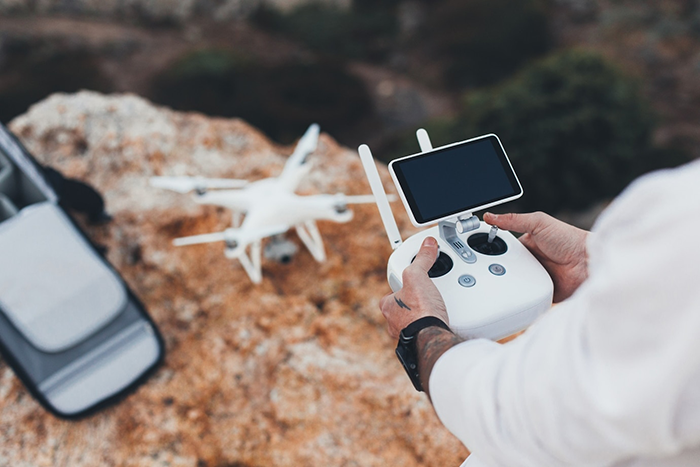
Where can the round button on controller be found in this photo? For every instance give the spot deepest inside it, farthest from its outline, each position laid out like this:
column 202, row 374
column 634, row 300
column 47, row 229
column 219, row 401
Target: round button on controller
column 497, row 269
column 466, row 280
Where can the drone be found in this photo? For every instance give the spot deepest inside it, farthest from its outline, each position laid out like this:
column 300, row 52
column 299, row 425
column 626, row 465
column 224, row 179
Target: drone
column 267, row 208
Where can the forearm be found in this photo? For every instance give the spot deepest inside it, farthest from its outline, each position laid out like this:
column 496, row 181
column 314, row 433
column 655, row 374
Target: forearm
column 431, row 343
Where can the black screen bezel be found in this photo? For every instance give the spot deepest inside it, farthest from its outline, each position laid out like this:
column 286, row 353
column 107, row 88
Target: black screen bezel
column 409, row 196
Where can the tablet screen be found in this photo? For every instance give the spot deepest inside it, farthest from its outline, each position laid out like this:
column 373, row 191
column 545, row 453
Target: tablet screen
column 463, row 177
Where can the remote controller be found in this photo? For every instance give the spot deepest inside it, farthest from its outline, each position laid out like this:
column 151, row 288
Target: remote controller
column 491, row 284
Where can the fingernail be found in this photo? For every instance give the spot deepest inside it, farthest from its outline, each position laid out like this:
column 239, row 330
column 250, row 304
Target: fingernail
column 430, row 242
column 490, row 214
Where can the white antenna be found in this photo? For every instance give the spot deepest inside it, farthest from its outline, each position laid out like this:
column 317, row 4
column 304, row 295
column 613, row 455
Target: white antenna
column 375, row 183
column 424, row 140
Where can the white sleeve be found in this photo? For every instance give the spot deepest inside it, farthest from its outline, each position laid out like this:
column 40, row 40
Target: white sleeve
column 604, row 376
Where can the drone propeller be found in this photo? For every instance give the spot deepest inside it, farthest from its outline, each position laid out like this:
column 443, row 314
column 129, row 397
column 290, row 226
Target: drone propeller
column 186, row 184
column 234, row 238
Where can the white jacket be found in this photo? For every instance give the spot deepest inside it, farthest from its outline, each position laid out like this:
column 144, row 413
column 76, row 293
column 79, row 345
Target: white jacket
column 611, row 376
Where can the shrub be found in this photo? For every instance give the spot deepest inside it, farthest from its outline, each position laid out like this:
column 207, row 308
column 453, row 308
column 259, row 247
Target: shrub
column 286, row 99
column 576, row 128
column 207, row 81
column 484, row 41
column 281, row 100
column 364, row 31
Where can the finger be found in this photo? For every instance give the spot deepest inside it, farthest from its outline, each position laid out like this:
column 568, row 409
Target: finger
column 522, row 223
column 384, row 303
column 384, row 299
column 426, row 256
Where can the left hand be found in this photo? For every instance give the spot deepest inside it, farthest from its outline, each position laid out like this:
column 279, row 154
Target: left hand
column 419, row 297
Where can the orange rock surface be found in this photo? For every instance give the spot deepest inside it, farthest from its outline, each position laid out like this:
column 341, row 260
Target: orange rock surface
column 297, row 371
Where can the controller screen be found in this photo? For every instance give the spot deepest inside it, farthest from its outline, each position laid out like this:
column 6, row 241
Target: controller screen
column 459, row 178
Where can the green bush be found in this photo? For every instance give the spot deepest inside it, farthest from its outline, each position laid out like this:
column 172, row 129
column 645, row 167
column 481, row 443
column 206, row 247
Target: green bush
column 576, row 129
column 208, row 81
column 286, row 99
column 484, row 41
column 364, row 31
column 281, row 100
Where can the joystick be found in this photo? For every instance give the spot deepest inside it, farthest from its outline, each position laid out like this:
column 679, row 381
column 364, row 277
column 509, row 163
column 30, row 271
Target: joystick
column 486, row 245
column 443, row 264
column 492, row 233
column 491, row 284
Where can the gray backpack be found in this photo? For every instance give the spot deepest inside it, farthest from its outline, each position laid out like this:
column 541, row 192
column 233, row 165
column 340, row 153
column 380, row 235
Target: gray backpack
column 70, row 327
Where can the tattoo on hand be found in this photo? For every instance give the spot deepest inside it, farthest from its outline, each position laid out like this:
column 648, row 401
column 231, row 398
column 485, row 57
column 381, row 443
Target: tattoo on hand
column 402, row 304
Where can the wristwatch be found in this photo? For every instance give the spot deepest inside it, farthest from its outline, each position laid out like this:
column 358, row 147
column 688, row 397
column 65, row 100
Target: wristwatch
column 406, row 348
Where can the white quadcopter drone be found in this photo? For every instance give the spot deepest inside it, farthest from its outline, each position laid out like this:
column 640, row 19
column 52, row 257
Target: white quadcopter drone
column 267, row 208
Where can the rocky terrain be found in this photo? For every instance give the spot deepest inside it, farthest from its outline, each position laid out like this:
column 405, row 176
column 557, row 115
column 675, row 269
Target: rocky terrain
column 297, row 371
column 152, row 10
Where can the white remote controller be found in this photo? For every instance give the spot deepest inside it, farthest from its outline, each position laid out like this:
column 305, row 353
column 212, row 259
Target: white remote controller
column 491, row 284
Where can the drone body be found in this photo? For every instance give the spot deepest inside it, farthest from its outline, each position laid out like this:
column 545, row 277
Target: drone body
column 268, row 208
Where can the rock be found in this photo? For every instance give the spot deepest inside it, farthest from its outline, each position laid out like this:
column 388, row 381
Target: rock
column 295, row 371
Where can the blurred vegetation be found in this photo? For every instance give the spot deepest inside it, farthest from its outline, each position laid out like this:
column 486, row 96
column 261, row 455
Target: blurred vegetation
column 484, row 41
column 208, row 81
column 281, row 100
column 30, row 71
column 479, row 41
column 576, row 129
column 364, row 31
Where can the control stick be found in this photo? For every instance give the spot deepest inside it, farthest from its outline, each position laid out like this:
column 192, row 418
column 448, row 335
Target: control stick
column 492, row 233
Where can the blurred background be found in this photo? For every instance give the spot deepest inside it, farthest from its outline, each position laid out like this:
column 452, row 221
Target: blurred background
column 585, row 94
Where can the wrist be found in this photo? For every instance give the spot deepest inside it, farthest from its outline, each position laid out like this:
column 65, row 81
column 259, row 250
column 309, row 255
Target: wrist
column 431, row 344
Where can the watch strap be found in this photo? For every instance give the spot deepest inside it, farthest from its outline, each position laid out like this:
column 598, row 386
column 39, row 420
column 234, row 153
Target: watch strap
column 406, row 348
column 421, row 323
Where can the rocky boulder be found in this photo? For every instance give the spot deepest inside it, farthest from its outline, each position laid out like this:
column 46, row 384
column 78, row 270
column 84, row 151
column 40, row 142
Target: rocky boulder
column 295, row 371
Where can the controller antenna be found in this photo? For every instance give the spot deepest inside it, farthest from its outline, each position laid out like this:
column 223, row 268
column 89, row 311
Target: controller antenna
column 392, row 230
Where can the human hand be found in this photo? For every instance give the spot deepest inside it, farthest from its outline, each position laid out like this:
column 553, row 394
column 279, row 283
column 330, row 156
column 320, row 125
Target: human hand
column 419, row 297
column 560, row 247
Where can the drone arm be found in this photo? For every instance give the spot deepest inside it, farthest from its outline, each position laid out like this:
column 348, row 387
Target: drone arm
column 186, row 184
column 198, row 239
column 234, row 200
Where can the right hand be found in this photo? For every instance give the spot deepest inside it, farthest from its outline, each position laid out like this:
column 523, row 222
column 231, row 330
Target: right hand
column 560, row 247
column 419, row 297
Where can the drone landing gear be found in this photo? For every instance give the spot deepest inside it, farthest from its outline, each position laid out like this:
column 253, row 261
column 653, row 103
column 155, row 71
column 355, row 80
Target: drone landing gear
column 309, row 234
column 237, row 218
column 251, row 263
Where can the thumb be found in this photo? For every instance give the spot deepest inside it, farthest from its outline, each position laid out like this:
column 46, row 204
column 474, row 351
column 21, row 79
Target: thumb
column 426, row 255
column 521, row 223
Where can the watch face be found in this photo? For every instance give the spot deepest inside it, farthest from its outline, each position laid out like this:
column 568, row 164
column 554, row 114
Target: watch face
column 406, row 348
column 407, row 357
